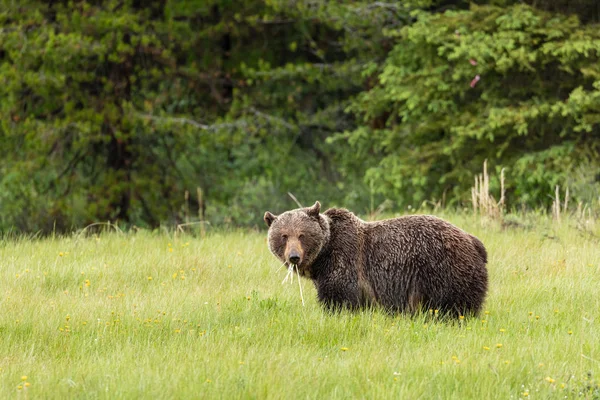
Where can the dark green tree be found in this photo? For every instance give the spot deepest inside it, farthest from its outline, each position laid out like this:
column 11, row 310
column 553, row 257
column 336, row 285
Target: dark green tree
column 515, row 85
column 165, row 111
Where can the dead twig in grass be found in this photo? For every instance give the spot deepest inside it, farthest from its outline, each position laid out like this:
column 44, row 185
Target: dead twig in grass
column 109, row 224
column 201, row 223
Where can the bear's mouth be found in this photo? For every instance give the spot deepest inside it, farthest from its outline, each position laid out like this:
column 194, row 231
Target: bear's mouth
column 302, row 269
column 297, row 270
column 291, row 267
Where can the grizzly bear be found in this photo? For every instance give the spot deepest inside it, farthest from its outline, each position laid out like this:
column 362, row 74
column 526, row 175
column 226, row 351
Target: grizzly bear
column 405, row 264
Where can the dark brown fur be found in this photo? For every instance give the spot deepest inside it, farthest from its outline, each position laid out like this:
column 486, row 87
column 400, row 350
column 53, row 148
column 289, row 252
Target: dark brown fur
column 403, row 264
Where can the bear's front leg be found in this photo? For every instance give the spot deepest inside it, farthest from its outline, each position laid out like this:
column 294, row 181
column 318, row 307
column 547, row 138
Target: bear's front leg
column 337, row 291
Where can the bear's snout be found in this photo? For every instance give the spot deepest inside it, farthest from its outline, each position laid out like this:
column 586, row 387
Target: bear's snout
column 294, row 258
column 293, row 252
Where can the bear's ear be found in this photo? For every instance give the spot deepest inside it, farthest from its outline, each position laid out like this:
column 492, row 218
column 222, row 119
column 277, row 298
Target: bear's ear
column 269, row 218
column 314, row 210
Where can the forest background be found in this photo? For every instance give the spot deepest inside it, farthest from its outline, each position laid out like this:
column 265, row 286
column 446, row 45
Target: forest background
column 159, row 112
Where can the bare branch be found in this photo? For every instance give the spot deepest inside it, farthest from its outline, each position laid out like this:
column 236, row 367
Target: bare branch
column 381, row 4
column 272, row 118
column 187, row 121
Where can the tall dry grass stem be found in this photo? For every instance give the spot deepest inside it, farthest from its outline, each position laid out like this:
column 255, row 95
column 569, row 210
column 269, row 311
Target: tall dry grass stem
column 556, row 204
column 482, row 200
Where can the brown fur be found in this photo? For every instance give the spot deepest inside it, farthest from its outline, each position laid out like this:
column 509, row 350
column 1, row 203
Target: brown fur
column 403, row 264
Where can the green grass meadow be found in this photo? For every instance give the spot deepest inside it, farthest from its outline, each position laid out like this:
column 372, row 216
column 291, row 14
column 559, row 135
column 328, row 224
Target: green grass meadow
column 153, row 315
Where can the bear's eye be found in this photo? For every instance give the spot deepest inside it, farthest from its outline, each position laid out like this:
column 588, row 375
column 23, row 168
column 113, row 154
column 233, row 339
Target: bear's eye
column 284, row 237
column 301, row 237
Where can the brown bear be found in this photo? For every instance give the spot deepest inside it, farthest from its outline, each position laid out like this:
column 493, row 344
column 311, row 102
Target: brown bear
column 403, row 264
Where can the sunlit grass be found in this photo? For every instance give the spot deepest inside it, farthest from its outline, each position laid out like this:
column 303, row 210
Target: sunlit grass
column 121, row 316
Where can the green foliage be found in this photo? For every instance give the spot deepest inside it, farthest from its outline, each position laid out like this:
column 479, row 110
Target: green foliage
column 115, row 110
column 534, row 111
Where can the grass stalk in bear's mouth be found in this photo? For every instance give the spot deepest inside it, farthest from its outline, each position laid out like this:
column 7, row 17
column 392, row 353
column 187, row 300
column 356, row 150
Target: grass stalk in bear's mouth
column 281, row 266
column 290, row 276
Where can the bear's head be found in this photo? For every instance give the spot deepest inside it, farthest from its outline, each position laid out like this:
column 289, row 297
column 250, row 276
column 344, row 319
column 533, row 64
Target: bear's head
column 297, row 237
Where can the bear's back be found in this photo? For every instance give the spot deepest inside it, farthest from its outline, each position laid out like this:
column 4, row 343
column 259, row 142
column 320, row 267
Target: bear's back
column 424, row 259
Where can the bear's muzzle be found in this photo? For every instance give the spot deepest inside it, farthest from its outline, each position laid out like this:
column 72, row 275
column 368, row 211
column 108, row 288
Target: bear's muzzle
column 294, row 252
